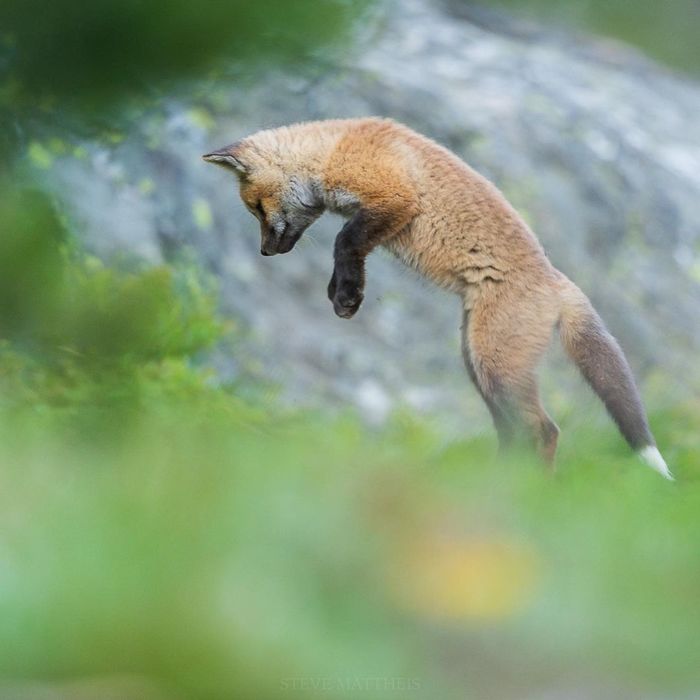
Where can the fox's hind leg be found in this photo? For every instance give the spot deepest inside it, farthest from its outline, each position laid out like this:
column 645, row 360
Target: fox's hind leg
column 502, row 345
column 503, row 426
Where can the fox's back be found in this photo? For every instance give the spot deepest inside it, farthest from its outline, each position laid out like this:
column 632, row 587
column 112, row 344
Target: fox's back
column 465, row 230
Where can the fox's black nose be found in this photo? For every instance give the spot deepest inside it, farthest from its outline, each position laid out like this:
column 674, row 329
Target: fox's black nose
column 264, row 252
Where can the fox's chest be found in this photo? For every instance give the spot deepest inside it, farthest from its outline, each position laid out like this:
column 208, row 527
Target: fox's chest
column 428, row 255
column 340, row 201
column 401, row 248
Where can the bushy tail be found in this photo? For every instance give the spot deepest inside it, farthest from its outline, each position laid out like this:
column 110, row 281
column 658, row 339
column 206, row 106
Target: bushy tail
column 602, row 363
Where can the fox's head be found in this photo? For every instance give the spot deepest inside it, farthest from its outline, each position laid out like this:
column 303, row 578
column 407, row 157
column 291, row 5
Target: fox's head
column 284, row 201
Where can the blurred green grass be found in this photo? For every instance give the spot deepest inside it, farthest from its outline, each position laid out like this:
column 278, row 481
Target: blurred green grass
column 157, row 526
column 224, row 546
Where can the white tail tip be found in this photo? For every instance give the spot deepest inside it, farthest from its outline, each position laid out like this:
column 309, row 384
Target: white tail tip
column 652, row 457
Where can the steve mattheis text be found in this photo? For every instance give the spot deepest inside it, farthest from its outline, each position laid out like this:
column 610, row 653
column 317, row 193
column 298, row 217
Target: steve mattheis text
column 383, row 683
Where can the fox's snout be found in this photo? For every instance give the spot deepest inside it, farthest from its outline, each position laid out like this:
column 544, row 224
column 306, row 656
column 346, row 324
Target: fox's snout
column 278, row 244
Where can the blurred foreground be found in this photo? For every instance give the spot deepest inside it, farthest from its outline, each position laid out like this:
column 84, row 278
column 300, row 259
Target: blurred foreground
column 163, row 537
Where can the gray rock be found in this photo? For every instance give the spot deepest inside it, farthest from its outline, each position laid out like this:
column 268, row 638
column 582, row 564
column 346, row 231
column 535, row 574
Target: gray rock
column 596, row 146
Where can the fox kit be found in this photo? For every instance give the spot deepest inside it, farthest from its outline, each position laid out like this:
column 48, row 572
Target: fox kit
column 402, row 191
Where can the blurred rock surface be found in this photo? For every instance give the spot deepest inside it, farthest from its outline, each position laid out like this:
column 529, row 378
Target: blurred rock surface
column 597, row 147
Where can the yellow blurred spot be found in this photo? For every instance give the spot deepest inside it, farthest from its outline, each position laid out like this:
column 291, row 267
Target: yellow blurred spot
column 202, row 213
column 113, row 137
column 201, row 117
column 695, row 270
column 474, row 578
column 146, row 186
column 80, row 152
column 40, row 156
column 93, row 263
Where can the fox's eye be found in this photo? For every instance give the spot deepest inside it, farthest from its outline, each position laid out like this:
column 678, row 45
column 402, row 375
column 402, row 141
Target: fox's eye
column 258, row 210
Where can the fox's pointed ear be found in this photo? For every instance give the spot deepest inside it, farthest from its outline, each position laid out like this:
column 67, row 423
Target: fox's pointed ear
column 229, row 157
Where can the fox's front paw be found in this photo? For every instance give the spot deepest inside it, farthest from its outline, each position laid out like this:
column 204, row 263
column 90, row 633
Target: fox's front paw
column 347, row 300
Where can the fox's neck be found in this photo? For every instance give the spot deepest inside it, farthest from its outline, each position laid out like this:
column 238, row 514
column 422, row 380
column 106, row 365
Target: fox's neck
column 305, row 149
column 321, row 141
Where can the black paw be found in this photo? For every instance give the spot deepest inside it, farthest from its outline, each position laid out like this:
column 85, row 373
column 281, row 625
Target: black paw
column 347, row 301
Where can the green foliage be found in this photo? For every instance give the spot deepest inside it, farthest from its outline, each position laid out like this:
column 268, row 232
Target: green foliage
column 73, row 331
column 30, row 262
column 135, row 317
column 85, row 65
column 95, row 52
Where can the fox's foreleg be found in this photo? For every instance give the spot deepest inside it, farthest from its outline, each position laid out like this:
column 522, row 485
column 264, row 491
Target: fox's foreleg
column 352, row 245
column 367, row 229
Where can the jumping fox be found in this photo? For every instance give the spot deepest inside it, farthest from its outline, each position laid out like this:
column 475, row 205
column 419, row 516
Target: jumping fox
column 400, row 190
